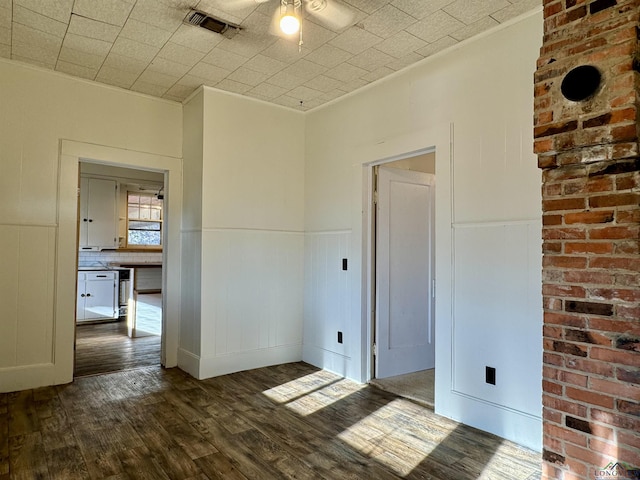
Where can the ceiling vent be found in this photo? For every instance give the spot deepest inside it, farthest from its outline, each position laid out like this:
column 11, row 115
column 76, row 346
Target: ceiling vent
column 201, row 19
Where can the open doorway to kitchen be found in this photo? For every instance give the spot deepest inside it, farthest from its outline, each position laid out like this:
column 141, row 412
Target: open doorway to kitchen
column 119, row 308
column 402, row 232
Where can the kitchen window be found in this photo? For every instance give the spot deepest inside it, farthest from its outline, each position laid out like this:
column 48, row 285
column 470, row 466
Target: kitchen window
column 144, row 220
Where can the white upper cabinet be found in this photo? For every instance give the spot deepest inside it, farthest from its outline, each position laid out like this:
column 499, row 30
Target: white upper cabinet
column 98, row 214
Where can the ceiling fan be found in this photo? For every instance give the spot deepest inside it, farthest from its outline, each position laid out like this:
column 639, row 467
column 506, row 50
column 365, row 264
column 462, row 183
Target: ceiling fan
column 288, row 16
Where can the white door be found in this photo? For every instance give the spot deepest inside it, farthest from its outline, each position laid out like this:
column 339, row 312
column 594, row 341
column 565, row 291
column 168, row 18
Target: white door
column 404, row 272
column 101, row 214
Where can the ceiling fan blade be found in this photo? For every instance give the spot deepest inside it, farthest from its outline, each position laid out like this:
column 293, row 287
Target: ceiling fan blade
column 331, row 13
column 241, row 4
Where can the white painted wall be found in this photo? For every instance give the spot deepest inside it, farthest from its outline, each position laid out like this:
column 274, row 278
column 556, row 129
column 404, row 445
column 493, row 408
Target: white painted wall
column 38, row 109
column 247, row 311
column 473, row 104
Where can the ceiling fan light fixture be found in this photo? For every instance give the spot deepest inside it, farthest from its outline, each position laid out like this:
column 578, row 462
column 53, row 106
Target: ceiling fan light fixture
column 289, row 21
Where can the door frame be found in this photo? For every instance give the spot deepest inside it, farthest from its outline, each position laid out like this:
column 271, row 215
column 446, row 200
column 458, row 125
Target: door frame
column 369, row 252
column 71, row 154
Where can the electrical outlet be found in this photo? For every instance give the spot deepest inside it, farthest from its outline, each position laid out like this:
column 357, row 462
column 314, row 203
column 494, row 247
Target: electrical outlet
column 490, row 375
column 339, row 337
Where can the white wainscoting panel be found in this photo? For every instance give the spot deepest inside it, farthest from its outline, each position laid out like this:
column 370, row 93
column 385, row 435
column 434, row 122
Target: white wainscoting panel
column 252, row 291
column 328, row 292
column 26, row 294
column 495, row 320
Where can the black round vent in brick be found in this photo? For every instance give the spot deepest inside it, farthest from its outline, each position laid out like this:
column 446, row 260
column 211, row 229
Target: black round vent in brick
column 580, row 83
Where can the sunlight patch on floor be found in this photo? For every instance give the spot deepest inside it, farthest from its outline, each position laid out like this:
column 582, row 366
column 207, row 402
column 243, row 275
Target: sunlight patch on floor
column 308, row 394
column 397, row 448
column 300, row 386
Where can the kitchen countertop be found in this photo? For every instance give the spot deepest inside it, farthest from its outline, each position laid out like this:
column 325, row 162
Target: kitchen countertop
column 118, row 266
column 137, row 265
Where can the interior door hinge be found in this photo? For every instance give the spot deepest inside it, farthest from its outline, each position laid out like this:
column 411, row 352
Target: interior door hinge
column 375, row 349
column 375, row 197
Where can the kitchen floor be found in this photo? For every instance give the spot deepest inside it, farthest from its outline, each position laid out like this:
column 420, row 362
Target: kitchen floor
column 149, row 314
column 105, row 347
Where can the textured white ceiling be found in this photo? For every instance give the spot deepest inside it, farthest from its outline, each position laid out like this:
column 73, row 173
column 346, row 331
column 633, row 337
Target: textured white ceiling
column 143, row 45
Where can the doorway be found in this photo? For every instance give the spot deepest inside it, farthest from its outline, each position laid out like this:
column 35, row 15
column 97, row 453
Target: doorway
column 403, row 283
column 124, row 329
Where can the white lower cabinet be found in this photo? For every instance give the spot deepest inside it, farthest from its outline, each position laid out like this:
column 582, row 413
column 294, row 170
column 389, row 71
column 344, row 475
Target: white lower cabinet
column 97, row 296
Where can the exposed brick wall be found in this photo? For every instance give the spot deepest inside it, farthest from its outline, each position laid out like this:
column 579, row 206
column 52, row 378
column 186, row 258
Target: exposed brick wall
column 588, row 151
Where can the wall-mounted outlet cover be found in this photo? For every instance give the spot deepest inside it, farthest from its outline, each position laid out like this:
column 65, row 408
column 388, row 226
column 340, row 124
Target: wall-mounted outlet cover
column 490, row 375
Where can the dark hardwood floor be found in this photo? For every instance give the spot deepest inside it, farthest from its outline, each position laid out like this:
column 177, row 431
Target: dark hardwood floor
column 287, row 421
column 105, row 347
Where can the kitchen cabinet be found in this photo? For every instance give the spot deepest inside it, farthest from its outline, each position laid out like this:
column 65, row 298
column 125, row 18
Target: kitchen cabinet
column 98, row 214
column 97, row 296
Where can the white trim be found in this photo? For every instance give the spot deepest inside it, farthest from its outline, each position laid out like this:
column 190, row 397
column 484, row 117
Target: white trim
column 71, row 154
column 189, row 362
column 215, row 365
column 368, row 262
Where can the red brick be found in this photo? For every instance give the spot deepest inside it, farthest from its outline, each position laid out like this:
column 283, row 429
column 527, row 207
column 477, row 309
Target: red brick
column 564, row 319
column 615, row 388
column 619, row 263
column 627, row 182
column 599, row 185
column 552, row 276
column 552, row 387
column 563, row 234
column 589, row 366
column 563, row 204
column 628, row 312
column 552, row 190
column 629, row 439
column 552, row 332
column 550, row 303
column 593, row 458
column 563, row 291
column 589, row 277
column 589, row 397
column 564, row 405
column 628, row 216
column 550, row 415
column 588, row 247
column 614, row 200
column 553, row 359
column 577, row 470
column 589, row 217
column 614, row 294
column 552, row 247
column 614, row 233
column 573, row 378
column 630, row 247
column 614, row 326
column 606, row 448
column 562, row 261
column 624, row 134
column 552, row 219
column 614, row 356
column 574, row 436
column 616, row 420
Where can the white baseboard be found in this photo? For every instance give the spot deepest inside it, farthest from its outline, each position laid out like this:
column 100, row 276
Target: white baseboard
column 213, row 366
column 519, row 427
column 331, row 361
column 13, row 379
column 189, row 362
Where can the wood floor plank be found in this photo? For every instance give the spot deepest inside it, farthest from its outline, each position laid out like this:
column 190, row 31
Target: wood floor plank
column 287, row 421
column 106, row 347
